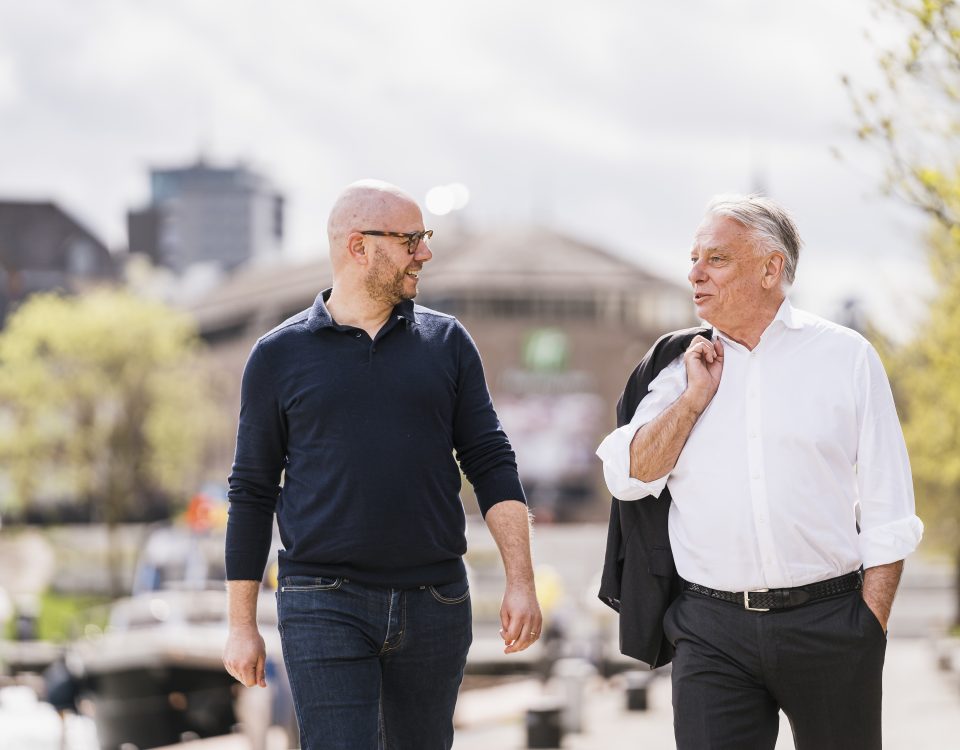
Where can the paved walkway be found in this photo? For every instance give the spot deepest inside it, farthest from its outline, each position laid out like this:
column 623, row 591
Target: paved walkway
column 921, row 712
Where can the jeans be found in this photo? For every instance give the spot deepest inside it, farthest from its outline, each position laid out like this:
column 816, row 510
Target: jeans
column 373, row 668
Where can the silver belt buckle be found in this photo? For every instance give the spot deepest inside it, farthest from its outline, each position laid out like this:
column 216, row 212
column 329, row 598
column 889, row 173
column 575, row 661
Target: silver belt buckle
column 746, row 600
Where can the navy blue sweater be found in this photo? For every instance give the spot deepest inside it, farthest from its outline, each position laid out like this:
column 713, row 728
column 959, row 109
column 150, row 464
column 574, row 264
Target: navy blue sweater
column 364, row 432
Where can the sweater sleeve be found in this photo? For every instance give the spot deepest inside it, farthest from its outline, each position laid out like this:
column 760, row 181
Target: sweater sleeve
column 481, row 445
column 257, row 467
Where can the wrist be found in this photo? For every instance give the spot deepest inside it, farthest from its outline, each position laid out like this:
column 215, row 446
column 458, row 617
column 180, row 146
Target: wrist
column 242, row 625
column 524, row 580
column 694, row 402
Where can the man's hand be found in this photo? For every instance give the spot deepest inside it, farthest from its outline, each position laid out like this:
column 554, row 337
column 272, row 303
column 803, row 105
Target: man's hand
column 520, row 618
column 656, row 446
column 879, row 587
column 704, row 363
column 245, row 656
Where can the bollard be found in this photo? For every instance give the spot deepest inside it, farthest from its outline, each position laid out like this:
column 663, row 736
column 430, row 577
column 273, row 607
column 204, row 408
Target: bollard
column 638, row 684
column 572, row 674
column 544, row 726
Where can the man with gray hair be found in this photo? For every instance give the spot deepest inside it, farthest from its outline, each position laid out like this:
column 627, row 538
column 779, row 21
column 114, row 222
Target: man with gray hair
column 763, row 503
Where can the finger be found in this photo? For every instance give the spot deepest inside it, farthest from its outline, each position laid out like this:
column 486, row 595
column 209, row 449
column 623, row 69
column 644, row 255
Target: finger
column 512, row 635
column 700, row 347
column 261, row 675
column 528, row 637
column 504, row 625
column 521, row 641
column 233, row 670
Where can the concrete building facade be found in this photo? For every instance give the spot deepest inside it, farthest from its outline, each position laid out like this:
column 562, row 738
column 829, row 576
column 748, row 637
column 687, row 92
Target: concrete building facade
column 226, row 216
column 44, row 248
column 560, row 324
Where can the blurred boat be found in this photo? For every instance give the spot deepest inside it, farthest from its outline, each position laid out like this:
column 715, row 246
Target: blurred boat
column 154, row 676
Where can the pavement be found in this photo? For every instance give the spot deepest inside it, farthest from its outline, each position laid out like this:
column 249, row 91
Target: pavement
column 921, row 711
column 921, row 703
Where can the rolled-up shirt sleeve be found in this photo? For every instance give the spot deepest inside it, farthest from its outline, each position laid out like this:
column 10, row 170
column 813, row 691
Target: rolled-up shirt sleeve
column 614, row 451
column 889, row 527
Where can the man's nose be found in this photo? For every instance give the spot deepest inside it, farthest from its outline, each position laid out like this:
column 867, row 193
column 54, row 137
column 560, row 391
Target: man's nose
column 697, row 273
column 423, row 253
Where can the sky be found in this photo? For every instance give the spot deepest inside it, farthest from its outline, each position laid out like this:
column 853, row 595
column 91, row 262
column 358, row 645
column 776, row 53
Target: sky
column 611, row 121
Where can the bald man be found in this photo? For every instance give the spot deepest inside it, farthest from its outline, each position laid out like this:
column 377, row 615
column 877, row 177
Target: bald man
column 366, row 403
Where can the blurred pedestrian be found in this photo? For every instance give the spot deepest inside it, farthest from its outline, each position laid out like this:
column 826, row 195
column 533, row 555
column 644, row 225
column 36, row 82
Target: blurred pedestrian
column 763, row 503
column 366, row 403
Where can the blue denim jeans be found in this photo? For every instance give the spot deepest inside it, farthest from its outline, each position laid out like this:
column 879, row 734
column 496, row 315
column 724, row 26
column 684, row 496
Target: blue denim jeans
column 373, row 668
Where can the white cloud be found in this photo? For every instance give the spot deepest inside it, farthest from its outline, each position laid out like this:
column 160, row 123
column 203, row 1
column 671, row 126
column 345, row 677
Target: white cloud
column 9, row 83
column 614, row 121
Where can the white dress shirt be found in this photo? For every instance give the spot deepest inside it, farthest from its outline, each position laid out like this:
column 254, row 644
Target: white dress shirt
column 800, row 442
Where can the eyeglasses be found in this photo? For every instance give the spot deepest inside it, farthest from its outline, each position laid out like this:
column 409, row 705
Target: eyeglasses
column 412, row 238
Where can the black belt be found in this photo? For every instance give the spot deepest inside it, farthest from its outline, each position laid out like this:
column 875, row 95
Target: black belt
column 762, row 600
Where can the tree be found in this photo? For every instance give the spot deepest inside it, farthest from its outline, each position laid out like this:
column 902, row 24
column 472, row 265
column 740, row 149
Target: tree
column 102, row 403
column 915, row 121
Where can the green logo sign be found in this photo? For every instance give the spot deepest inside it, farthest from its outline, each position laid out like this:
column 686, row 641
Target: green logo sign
column 546, row 350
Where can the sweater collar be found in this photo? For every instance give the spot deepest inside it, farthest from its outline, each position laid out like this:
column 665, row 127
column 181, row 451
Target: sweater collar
column 319, row 316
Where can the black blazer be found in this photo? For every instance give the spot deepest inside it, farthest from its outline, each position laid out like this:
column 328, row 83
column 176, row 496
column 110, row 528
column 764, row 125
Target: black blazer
column 639, row 576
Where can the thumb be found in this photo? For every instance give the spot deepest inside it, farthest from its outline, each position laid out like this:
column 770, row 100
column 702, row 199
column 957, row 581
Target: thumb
column 261, row 675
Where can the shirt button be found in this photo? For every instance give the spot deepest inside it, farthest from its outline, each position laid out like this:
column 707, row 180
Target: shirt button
column 357, row 335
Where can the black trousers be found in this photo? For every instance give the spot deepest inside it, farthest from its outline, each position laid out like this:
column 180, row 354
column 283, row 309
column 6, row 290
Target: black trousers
column 734, row 670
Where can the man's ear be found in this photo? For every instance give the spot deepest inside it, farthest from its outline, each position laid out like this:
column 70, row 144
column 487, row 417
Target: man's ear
column 356, row 248
column 772, row 270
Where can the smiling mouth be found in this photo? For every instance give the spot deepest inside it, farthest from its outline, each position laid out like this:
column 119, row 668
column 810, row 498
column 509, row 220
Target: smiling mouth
column 414, row 274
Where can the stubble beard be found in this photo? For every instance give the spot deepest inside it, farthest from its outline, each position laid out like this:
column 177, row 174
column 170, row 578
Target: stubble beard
column 386, row 285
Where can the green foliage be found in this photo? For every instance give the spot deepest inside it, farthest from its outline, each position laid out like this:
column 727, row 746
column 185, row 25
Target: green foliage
column 102, row 401
column 62, row 617
column 914, row 118
column 925, row 374
column 915, row 121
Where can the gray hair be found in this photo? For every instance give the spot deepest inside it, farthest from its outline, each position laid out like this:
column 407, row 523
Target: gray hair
column 770, row 224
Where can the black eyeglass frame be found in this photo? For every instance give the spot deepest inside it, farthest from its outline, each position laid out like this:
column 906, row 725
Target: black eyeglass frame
column 412, row 238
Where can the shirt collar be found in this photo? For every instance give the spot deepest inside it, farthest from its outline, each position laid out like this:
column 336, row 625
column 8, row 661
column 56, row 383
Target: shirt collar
column 786, row 317
column 319, row 316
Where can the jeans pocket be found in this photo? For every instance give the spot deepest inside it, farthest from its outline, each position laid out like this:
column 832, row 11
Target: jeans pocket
column 451, row 593
column 309, row 583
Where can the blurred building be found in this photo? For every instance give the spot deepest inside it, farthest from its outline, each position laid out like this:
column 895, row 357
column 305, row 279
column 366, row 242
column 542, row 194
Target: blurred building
column 43, row 248
column 560, row 324
column 225, row 216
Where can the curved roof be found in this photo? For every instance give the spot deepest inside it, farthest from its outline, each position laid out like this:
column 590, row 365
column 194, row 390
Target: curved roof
column 530, row 257
column 521, row 258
